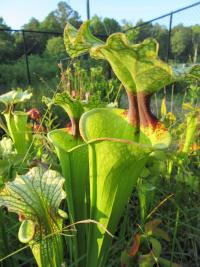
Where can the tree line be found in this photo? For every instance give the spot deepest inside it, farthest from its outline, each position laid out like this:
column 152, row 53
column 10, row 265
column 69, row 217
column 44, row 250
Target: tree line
column 185, row 41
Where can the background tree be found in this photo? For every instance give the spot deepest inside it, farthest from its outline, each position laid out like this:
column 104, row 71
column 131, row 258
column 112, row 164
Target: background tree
column 35, row 42
column 111, row 25
column 195, row 41
column 6, row 43
column 131, row 34
column 104, row 27
column 65, row 13
column 57, row 19
column 46, row 49
column 143, row 31
column 160, row 33
column 181, row 42
column 51, row 23
column 55, row 48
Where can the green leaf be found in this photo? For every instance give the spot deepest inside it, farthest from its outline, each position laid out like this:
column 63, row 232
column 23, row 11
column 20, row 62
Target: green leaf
column 74, row 165
column 157, row 232
column 156, row 247
column 145, row 173
column 106, row 122
column 188, row 73
column 36, row 197
column 192, row 125
column 15, row 96
column 34, row 194
column 113, row 123
column 136, row 66
column 62, row 214
column 73, row 156
column 167, row 263
column 150, row 259
column 112, row 179
column 78, row 42
column 26, row 231
column 73, row 107
column 146, row 192
column 6, row 147
column 140, row 71
column 151, row 229
column 125, row 259
column 1, row 182
column 151, row 226
column 19, row 130
column 146, row 260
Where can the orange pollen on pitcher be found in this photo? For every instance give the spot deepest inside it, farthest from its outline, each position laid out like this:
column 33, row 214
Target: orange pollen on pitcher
column 69, row 127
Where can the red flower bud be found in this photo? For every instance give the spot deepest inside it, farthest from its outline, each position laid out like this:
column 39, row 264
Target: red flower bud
column 34, row 114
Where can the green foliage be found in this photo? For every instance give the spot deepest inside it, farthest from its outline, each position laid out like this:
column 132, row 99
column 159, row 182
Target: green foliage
column 108, row 191
column 130, row 55
column 41, row 68
column 38, row 210
column 182, row 164
column 106, row 26
column 44, row 53
column 7, row 159
column 181, row 41
column 146, row 249
column 6, row 147
column 195, row 41
column 19, row 131
column 107, row 134
column 55, row 47
column 105, row 155
column 16, row 121
column 72, row 106
column 73, row 156
column 14, row 97
column 6, row 43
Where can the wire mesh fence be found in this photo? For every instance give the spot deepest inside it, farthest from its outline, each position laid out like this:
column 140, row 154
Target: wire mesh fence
column 37, row 53
column 173, row 30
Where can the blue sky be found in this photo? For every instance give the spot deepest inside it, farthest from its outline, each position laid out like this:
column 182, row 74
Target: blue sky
column 18, row 12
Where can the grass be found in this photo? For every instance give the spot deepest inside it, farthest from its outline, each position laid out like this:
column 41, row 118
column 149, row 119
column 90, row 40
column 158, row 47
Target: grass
column 180, row 219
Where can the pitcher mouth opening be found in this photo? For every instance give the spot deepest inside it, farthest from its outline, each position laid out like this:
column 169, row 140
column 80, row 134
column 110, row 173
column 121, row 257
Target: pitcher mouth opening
column 152, row 146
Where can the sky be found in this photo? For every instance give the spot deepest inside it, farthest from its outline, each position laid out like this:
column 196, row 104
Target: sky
column 18, row 12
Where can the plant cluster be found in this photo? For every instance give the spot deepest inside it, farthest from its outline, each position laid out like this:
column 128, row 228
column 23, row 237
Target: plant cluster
column 70, row 186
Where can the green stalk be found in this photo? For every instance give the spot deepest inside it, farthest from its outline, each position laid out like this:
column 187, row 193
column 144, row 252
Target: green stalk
column 18, row 130
column 112, row 180
column 73, row 158
column 174, row 236
column 192, row 123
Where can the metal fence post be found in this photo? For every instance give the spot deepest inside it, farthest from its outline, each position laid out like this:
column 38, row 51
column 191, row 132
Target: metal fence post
column 88, row 9
column 26, row 59
column 169, row 37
